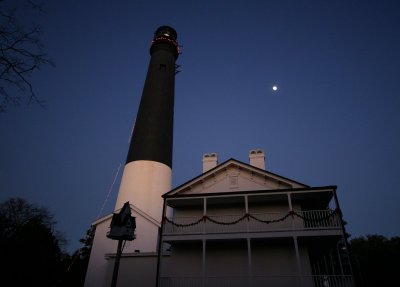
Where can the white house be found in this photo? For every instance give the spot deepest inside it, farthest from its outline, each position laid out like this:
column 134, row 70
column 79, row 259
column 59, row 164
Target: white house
column 238, row 224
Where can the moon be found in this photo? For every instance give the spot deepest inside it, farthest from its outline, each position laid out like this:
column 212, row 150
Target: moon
column 274, row 88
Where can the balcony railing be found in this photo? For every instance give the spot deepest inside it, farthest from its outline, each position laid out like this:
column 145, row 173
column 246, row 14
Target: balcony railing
column 260, row 281
column 258, row 222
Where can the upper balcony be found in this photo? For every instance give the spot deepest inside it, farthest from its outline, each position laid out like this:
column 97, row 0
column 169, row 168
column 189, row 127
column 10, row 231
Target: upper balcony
column 312, row 222
column 254, row 215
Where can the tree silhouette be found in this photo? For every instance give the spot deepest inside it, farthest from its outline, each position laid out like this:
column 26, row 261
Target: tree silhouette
column 78, row 262
column 376, row 260
column 21, row 54
column 29, row 245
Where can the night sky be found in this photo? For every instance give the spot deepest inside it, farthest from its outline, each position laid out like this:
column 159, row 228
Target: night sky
column 334, row 119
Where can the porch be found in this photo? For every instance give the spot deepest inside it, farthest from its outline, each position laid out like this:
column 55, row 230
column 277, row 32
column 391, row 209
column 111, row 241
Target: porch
column 259, row 238
column 259, row 281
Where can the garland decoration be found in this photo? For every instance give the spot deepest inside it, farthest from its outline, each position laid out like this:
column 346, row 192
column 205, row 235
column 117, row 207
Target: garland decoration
column 292, row 213
column 273, row 220
column 226, row 223
column 184, row 225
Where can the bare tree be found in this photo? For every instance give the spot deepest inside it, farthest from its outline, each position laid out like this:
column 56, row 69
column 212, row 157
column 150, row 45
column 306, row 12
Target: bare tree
column 21, row 54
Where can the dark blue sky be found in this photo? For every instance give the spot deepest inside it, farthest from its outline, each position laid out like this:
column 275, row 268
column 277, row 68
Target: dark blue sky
column 334, row 120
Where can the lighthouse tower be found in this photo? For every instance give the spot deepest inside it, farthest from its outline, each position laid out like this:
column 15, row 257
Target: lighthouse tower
column 147, row 173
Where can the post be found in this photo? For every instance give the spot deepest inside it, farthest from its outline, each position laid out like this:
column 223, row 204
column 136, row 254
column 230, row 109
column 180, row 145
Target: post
column 116, row 264
column 346, row 244
column 246, row 206
column 290, row 202
column 291, row 209
column 339, row 258
column 250, row 268
column 204, row 266
column 122, row 228
column 299, row 269
column 204, row 214
column 160, row 244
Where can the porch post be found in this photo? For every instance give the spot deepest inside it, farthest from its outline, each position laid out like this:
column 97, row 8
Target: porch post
column 347, row 245
column 160, row 245
column 250, row 280
column 291, row 209
column 290, row 202
column 204, row 246
column 203, row 281
column 339, row 258
column 204, row 213
column 296, row 248
column 246, row 207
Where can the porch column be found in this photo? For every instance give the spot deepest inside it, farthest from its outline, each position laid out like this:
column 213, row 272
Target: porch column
column 250, row 280
column 290, row 201
column 291, row 209
column 204, row 213
column 339, row 258
column 204, row 273
column 204, row 266
column 160, row 244
column 346, row 244
column 299, row 270
column 246, row 207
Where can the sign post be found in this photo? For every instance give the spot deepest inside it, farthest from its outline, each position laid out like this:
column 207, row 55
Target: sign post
column 122, row 228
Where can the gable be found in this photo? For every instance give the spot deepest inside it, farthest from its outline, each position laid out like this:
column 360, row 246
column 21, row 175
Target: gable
column 136, row 212
column 235, row 176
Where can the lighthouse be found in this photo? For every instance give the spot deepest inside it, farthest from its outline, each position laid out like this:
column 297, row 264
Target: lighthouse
column 148, row 169
column 147, row 174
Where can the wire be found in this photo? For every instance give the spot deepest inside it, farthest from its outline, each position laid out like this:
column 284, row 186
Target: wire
column 109, row 191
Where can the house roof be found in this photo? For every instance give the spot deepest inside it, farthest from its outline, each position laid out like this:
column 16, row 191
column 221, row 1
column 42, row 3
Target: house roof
column 135, row 212
column 228, row 193
column 315, row 197
column 266, row 179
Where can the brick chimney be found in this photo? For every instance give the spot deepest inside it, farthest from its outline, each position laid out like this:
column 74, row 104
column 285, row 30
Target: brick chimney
column 257, row 158
column 210, row 160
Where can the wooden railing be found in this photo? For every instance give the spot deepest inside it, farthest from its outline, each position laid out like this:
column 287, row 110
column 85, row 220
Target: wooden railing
column 257, row 222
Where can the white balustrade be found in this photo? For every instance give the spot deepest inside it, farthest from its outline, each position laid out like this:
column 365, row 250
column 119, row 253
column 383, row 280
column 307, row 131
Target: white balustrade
column 257, row 222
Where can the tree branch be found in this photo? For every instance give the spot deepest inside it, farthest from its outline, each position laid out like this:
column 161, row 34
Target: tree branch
column 21, row 53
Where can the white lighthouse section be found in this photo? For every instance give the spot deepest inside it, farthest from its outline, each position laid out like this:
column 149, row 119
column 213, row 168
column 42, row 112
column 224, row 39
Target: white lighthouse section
column 143, row 183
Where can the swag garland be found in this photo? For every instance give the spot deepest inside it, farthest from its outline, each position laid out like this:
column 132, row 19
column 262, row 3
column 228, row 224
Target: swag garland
column 247, row 216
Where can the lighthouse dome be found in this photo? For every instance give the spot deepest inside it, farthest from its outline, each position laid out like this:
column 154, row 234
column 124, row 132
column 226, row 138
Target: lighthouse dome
column 166, row 31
